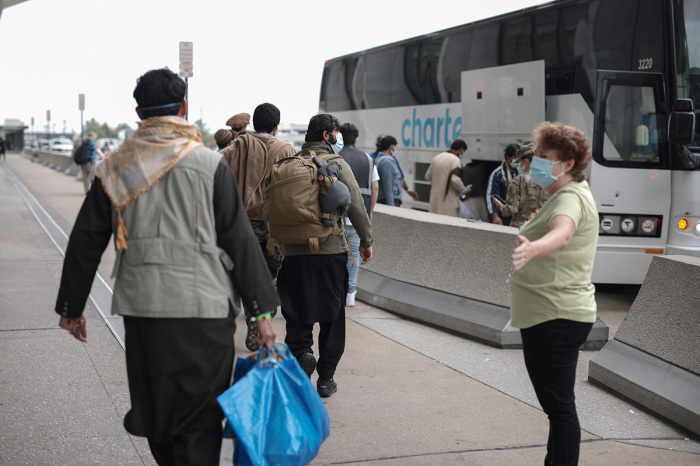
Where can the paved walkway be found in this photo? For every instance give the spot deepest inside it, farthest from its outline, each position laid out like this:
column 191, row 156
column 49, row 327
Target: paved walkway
column 407, row 394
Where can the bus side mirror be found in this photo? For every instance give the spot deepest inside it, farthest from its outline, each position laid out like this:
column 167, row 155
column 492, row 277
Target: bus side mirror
column 681, row 125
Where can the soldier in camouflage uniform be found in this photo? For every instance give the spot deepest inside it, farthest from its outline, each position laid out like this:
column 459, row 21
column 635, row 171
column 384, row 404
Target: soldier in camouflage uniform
column 524, row 198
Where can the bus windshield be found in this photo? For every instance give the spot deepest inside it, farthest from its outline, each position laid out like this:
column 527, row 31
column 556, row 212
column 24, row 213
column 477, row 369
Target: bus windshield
column 688, row 59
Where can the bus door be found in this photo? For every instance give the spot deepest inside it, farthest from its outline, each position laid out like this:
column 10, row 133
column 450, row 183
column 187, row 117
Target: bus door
column 630, row 177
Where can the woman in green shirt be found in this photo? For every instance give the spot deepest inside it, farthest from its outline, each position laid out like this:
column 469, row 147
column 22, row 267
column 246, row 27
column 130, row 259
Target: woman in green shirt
column 552, row 297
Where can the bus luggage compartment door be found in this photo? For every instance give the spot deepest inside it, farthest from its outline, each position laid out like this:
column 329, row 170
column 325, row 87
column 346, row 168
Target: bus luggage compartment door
column 500, row 106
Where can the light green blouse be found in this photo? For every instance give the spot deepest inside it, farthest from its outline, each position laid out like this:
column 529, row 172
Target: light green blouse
column 559, row 286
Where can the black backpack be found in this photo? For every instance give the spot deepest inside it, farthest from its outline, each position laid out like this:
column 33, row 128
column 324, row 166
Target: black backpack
column 80, row 155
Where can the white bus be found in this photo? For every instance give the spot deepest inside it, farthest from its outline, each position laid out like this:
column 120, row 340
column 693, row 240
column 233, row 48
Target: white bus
column 626, row 72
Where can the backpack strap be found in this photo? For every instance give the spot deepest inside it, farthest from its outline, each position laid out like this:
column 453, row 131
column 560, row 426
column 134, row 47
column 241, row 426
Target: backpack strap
column 306, row 153
column 327, row 157
column 314, row 246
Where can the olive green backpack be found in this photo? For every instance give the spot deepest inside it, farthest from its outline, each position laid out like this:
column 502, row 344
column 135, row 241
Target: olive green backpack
column 291, row 204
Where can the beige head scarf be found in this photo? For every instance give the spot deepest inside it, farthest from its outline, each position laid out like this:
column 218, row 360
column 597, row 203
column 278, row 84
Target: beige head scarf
column 156, row 146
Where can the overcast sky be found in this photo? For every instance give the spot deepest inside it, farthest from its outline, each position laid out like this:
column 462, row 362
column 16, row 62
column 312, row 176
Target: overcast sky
column 244, row 53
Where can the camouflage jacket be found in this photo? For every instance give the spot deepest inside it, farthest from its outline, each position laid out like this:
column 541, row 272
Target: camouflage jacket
column 523, row 200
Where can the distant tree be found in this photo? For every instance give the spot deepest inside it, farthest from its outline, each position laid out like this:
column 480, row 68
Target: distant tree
column 122, row 126
column 207, row 136
column 103, row 130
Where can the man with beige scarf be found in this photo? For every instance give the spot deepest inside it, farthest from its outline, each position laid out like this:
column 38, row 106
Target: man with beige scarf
column 186, row 256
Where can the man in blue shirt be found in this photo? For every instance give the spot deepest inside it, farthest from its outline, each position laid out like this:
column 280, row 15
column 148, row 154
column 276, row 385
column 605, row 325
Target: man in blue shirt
column 389, row 174
column 376, row 153
column 379, row 142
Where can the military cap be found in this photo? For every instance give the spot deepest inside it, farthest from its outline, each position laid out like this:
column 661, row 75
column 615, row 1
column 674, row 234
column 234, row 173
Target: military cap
column 525, row 152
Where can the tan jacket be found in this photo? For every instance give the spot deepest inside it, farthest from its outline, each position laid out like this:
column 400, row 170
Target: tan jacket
column 251, row 157
column 440, row 174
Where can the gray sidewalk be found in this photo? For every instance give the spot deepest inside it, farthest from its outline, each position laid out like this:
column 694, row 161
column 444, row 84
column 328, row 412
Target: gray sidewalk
column 407, row 394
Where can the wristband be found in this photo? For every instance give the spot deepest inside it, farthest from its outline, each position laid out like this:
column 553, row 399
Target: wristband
column 264, row 316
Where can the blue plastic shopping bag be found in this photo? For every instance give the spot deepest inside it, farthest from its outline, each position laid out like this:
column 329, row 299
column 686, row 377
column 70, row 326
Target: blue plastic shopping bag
column 275, row 412
column 243, row 365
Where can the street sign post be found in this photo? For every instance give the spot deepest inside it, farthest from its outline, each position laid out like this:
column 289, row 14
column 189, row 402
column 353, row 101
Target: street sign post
column 81, row 107
column 186, row 53
column 186, row 68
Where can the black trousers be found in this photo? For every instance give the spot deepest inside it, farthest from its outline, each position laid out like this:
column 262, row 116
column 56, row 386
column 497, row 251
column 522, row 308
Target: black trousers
column 312, row 289
column 202, row 447
column 331, row 342
column 176, row 369
column 551, row 353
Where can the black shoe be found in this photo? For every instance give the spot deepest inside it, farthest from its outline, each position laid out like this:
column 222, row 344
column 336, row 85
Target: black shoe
column 326, row 387
column 307, row 361
column 252, row 336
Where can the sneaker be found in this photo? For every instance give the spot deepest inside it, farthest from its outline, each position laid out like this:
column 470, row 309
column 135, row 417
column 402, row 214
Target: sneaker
column 326, row 387
column 252, row 336
column 307, row 361
column 350, row 299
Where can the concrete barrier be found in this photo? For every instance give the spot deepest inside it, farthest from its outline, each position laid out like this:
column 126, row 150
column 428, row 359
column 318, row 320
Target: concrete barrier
column 447, row 272
column 654, row 359
column 61, row 162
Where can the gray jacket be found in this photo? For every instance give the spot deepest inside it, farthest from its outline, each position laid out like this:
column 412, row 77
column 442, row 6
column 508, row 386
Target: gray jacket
column 173, row 266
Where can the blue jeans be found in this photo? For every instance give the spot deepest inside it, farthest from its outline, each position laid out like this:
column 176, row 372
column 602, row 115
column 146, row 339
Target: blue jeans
column 353, row 271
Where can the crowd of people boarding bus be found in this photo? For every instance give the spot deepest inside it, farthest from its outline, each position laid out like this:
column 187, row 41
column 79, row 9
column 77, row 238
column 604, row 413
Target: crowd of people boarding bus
column 194, row 239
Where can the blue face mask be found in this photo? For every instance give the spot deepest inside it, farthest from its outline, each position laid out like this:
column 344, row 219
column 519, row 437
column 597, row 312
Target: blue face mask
column 514, row 164
column 338, row 146
column 541, row 171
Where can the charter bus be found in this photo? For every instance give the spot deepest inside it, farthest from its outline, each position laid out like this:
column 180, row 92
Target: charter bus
column 626, row 72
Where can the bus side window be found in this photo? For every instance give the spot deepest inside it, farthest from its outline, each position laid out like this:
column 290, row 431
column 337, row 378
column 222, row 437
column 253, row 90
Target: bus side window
column 631, row 124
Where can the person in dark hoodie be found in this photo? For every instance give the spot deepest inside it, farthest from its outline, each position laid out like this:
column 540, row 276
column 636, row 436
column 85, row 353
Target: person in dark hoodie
column 251, row 157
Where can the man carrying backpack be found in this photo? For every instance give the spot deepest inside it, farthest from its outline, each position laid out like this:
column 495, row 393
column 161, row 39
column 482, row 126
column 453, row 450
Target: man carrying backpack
column 313, row 286
column 92, row 154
